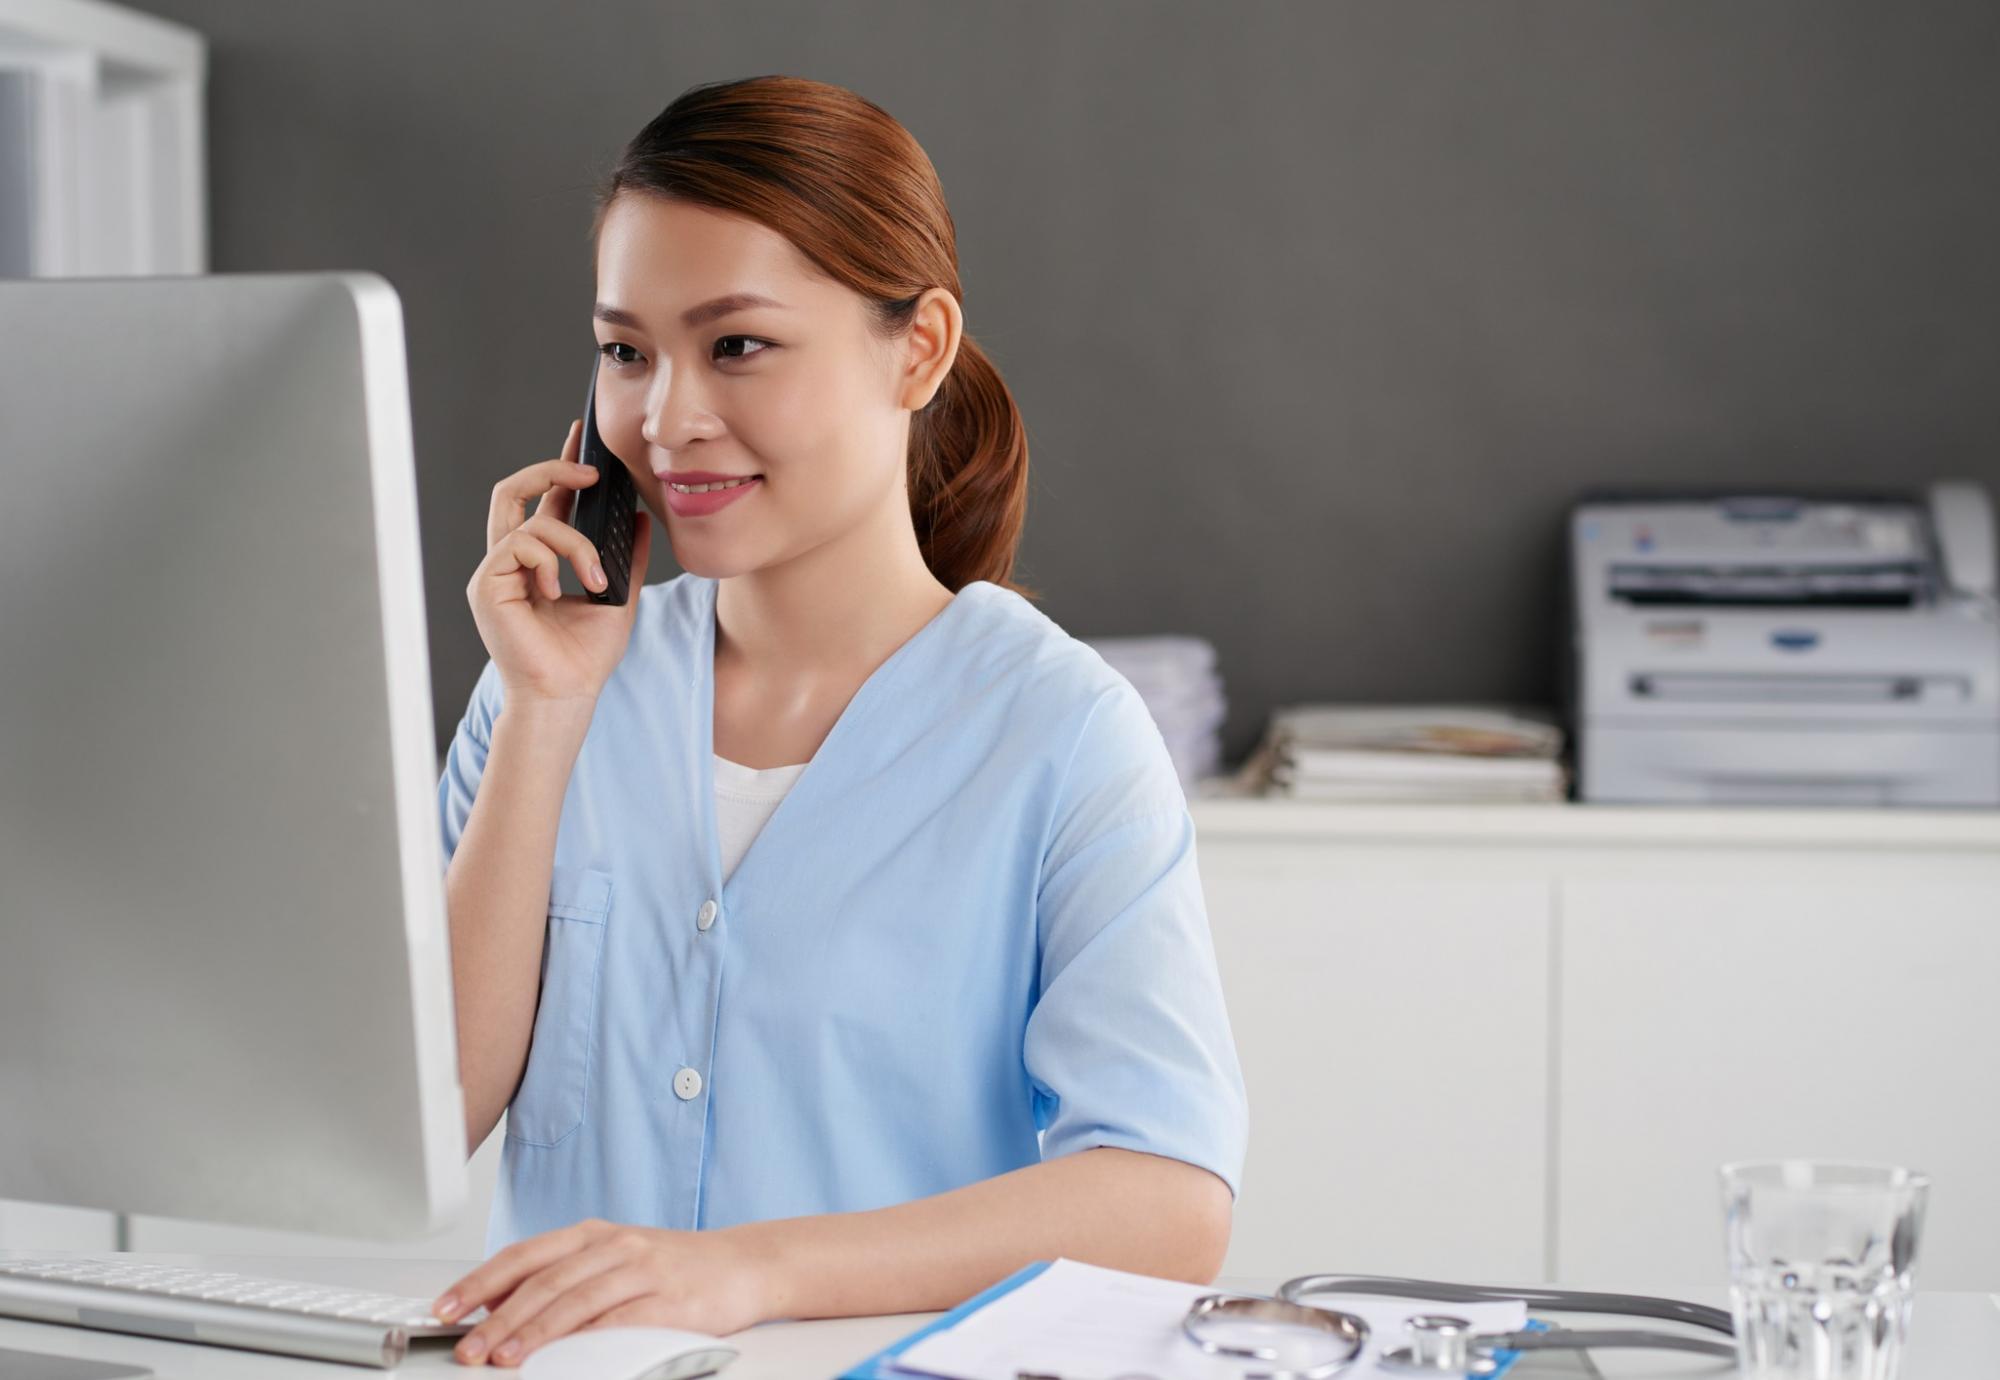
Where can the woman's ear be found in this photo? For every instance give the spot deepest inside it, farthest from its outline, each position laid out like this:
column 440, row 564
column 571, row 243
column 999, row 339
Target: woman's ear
column 930, row 346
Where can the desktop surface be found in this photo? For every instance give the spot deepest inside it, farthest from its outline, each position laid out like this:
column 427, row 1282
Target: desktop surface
column 1952, row 1334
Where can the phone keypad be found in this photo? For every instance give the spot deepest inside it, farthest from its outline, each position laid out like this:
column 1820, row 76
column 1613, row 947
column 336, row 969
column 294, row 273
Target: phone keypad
column 616, row 550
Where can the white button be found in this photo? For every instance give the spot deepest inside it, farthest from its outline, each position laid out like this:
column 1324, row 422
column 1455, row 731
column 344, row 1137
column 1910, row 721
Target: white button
column 705, row 916
column 687, row 1085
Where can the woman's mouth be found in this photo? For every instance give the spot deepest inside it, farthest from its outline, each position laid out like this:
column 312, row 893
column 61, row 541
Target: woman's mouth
column 699, row 500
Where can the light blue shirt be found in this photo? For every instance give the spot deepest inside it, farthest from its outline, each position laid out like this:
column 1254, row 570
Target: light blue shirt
column 971, row 937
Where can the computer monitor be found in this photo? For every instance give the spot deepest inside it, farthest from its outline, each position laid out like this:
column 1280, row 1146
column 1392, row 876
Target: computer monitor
column 224, row 979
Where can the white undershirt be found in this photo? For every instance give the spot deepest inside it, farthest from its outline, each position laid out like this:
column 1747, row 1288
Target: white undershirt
column 744, row 800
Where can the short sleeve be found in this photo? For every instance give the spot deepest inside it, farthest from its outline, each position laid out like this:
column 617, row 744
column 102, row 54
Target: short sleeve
column 465, row 759
column 1128, row 1043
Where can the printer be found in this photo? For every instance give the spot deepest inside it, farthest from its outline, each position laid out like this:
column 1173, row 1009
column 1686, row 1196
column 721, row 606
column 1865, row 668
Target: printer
column 1784, row 648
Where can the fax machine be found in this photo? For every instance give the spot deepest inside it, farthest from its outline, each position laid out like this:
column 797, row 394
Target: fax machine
column 1760, row 648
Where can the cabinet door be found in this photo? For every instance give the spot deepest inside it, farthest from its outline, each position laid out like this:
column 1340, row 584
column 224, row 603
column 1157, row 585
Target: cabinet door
column 1829, row 1018
column 1392, row 1028
column 40, row 1227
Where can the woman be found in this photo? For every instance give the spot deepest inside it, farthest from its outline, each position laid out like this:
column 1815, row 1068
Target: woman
column 825, row 919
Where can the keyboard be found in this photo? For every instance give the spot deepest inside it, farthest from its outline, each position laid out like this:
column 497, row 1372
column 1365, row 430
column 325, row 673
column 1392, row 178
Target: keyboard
column 185, row 1304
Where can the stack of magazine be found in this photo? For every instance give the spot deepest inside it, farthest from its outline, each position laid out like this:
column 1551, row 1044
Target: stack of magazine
column 1176, row 677
column 1427, row 752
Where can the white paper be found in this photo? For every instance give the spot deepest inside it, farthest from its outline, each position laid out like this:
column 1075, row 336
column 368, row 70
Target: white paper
column 1084, row 1322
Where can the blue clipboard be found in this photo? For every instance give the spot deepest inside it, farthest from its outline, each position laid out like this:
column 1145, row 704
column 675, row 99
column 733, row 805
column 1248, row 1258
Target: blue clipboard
column 880, row 1367
column 877, row 1367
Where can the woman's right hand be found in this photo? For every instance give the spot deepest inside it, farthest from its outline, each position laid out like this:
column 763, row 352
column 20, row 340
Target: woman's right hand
column 545, row 644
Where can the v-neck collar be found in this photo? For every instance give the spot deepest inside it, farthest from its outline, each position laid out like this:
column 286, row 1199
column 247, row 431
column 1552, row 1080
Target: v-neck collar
column 705, row 727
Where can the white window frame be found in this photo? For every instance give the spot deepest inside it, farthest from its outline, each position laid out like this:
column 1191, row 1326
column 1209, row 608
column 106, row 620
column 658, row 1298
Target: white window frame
column 117, row 170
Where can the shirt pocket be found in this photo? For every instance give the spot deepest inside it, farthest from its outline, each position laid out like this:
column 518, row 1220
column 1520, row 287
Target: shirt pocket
column 549, row 1104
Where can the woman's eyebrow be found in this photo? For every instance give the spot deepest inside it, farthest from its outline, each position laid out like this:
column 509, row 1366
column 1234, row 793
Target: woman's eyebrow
column 693, row 316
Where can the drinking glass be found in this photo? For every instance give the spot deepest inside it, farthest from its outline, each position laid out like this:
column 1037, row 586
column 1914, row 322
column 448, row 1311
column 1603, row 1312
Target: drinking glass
column 1821, row 1262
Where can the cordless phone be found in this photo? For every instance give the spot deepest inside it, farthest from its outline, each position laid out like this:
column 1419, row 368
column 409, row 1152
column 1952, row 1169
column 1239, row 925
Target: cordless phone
column 606, row 512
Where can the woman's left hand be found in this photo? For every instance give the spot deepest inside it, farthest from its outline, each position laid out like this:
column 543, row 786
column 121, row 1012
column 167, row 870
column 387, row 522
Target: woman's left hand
column 602, row 1274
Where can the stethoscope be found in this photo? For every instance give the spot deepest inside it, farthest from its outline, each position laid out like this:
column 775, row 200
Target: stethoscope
column 1439, row 1343
column 1436, row 1344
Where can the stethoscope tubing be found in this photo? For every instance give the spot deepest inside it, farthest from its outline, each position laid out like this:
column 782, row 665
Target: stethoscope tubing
column 1302, row 1289
column 1556, row 1300
column 1580, row 1340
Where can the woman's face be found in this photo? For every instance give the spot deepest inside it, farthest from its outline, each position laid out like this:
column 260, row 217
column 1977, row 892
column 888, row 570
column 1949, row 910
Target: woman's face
column 799, row 394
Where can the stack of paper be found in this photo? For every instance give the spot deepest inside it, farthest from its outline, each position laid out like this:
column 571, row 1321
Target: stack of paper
column 1079, row 1320
column 1176, row 677
column 1438, row 752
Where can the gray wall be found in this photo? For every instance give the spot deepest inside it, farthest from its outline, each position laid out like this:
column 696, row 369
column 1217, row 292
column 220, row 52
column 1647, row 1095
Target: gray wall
column 1318, row 313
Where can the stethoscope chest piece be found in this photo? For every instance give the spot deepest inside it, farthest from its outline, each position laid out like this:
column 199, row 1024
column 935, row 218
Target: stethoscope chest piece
column 1440, row 1344
column 1344, row 1334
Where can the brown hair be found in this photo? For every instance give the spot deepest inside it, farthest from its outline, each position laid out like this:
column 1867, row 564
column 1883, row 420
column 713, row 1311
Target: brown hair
column 854, row 191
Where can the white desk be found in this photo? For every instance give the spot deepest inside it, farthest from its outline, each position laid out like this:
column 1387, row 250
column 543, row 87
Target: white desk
column 1954, row 1334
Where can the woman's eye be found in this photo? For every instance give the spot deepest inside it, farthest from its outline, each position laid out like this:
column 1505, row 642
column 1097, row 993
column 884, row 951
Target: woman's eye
column 610, row 349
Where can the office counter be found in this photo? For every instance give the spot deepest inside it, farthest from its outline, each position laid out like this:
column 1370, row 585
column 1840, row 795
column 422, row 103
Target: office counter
column 1513, row 1042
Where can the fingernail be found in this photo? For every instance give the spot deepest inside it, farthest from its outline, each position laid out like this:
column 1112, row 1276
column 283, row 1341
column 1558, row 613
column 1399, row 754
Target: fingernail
column 447, row 1305
column 507, row 1352
column 597, row 575
column 473, row 1348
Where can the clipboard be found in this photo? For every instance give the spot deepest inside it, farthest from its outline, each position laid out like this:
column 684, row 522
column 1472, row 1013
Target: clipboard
column 881, row 1365
column 878, row 1367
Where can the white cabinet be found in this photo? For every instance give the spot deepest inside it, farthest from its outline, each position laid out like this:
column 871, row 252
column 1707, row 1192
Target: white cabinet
column 1513, row 1043
column 1392, row 1034
column 1838, row 1016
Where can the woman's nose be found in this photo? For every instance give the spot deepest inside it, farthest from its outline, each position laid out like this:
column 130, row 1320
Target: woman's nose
column 677, row 419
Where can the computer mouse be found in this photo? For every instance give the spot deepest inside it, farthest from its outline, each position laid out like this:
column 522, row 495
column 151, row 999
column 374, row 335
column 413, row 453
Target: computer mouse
column 628, row 1353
